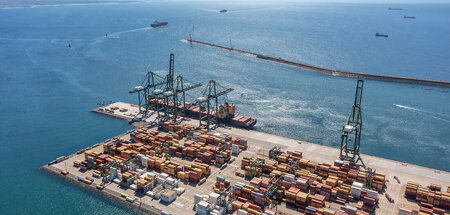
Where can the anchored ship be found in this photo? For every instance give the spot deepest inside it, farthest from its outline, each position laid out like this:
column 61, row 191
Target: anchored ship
column 156, row 24
column 409, row 17
column 223, row 11
column 380, row 35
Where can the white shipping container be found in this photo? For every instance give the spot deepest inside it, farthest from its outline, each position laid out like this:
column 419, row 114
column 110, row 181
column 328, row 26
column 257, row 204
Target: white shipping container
column 133, row 187
column 164, row 175
column 170, row 181
column 144, row 161
column 242, row 212
column 355, row 192
column 289, row 177
column 213, row 197
column 372, row 194
column 160, row 180
column 158, row 188
column 404, row 211
column 112, row 170
column 117, row 181
column 179, row 190
column 203, row 205
column 150, row 193
column 350, row 209
column 169, row 196
column 235, row 149
column 357, row 184
column 197, row 198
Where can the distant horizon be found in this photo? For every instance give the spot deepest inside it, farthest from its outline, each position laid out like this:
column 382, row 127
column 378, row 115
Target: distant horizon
column 29, row 3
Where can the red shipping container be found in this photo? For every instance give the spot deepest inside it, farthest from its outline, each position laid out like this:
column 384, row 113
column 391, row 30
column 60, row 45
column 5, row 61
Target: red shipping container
column 439, row 211
column 242, row 199
column 426, row 210
column 426, row 205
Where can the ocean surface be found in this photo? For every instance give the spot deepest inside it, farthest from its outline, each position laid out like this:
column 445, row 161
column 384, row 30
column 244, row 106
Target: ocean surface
column 47, row 89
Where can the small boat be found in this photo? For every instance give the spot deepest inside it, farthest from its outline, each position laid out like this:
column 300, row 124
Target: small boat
column 444, row 91
column 224, row 11
column 380, row 35
column 427, row 88
column 156, row 24
column 409, row 17
column 394, row 8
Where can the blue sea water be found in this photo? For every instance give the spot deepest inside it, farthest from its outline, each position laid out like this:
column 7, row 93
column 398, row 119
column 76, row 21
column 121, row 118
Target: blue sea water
column 48, row 89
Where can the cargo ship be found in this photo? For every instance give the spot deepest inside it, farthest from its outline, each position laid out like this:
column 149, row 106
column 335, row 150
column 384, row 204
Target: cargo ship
column 224, row 11
column 226, row 114
column 381, row 35
column 393, row 8
column 409, row 17
column 156, row 24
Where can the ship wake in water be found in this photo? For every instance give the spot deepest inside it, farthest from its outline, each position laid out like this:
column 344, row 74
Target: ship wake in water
column 431, row 114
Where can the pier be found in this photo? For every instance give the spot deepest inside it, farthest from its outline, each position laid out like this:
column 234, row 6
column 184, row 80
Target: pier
column 328, row 71
column 259, row 144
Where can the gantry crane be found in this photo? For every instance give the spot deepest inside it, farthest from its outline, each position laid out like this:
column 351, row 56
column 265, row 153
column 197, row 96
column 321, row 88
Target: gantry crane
column 274, row 152
column 350, row 152
column 180, row 94
column 146, row 90
column 212, row 92
column 162, row 94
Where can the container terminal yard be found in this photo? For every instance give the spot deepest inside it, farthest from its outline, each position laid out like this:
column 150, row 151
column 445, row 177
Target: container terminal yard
column 174, row 164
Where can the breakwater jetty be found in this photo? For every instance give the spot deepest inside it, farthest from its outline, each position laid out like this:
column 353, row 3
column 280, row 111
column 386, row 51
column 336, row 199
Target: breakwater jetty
column 328, row 71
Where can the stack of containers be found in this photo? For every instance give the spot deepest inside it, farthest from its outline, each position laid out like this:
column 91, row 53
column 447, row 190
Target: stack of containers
column 221, row 184
column 317, row 201
column 302, row 184
column 256, row 182
column 128, row 178
column 301, row 199
column 355, row 190
column 203, row 208
column 372, row 194
column 332, row 181
column 369, row 204
column 259, row 198
column 235, row 150
column 143, row 185
column 269, row 166
column 422, row 194
column 291, row 195
column 326, row 191
column 112, row 173
column 411, row 189
column 323, row 169
column 236, row 205
column 213, row 198
column 378, row 181
column 426, row 208
column 311, row 167
column 350, row 210
column 245, row 162
column 343, row 191
column 238, row 188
